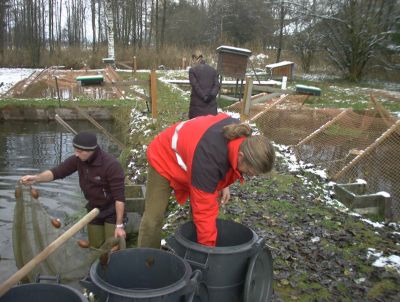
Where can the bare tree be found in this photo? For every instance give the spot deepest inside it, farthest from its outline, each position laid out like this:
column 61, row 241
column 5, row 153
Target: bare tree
column 354, row 31
column 4, row 6
column 306, row 38
column 163, row 22
column 110, row 29
column 93, row 15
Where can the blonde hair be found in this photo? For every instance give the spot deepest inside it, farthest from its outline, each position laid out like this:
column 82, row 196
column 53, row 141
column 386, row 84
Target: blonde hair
column 258, row 150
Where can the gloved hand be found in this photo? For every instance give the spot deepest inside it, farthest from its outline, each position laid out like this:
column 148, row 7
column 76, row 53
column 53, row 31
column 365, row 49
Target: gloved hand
column 210, row 98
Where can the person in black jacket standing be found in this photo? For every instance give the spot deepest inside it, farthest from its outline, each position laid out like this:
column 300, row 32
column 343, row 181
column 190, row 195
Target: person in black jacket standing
column 205, row 86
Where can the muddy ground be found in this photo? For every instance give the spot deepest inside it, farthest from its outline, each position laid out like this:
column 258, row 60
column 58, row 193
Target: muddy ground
column 319, row 252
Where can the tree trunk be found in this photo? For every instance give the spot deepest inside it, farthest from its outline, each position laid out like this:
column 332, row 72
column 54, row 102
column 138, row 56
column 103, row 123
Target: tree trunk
column 280, row 38
column 93, row 11
column 110, row 29
column 150, row 31
column 164, row 17
column 157, row 28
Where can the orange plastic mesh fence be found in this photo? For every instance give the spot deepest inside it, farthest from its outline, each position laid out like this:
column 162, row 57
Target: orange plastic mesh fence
column 333, row 138
column 335, row 146
column 379, row 165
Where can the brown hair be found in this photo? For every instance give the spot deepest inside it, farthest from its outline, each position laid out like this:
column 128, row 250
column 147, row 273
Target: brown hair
column 258, row 150
column 197, row 58
column 234, row 131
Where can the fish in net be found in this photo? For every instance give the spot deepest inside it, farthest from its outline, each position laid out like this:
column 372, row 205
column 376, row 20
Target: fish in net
column 34, row 229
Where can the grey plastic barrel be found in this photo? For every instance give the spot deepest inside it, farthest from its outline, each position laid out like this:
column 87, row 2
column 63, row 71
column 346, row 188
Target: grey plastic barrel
column 238, row 269
column 143, row 274
column 41, row 292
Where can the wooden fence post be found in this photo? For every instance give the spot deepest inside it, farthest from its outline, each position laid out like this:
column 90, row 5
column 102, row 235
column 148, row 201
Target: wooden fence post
column 153, row 94
column 248, row 88
column 134, row 65
column 183, row 63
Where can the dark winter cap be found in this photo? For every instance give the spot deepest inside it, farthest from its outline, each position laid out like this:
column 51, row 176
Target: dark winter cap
column 86, row 141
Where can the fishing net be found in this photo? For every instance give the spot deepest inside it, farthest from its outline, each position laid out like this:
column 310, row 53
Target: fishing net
column 349, row 144
column 34, row 230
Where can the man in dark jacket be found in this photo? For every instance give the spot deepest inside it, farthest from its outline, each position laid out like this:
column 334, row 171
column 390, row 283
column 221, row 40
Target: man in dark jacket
column 101, row 179
column 205, row 86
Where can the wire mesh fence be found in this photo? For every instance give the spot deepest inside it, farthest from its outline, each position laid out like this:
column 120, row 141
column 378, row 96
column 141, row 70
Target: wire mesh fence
column 349, row 144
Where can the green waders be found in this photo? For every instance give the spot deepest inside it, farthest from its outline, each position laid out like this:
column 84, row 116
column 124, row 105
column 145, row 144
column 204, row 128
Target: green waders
column 99, row 233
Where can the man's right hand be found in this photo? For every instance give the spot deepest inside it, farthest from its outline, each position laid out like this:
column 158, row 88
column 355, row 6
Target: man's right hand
column 28, row 179
column 45, row 176
column 210, row 98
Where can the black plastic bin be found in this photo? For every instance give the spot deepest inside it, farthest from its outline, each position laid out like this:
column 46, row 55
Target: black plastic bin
column 41, row 292
column 143, row 274
column 238, row 269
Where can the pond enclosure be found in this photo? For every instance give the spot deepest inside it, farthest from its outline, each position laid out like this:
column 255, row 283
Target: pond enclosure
column 57, row 83
column 349, row 145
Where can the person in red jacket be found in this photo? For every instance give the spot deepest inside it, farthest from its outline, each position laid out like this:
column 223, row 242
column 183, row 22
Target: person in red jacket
column 199, row 159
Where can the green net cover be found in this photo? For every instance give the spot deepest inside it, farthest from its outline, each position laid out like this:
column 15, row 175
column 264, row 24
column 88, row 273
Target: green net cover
column 33, row 231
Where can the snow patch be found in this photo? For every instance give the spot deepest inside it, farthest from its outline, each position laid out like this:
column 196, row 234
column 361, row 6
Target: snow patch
column 10, row 76
column 392, row 261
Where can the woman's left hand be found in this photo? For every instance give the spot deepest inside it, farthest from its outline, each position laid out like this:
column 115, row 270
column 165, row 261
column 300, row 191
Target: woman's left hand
column 224, row 195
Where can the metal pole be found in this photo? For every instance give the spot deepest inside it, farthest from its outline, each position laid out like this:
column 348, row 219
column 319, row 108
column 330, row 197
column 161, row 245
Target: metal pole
column 58, row 93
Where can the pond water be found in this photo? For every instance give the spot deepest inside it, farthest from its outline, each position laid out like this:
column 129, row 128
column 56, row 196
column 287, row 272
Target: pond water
column 31, row 147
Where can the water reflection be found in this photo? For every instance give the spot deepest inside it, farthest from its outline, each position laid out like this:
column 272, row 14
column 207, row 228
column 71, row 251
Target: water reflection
column 31, row 147
column 93, row 92
column 62, row 93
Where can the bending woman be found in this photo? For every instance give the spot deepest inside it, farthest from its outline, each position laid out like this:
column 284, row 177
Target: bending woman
column 198, row 159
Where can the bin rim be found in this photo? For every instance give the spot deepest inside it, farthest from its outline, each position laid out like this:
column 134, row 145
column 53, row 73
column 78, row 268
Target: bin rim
column 46, row 285
column 181, row 284
column 233, row 249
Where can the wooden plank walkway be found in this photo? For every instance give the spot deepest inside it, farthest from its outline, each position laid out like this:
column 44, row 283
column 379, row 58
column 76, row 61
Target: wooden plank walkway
column 229, row 83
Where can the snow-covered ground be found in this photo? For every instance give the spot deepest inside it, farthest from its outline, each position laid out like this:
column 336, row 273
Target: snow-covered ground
column 10, row 77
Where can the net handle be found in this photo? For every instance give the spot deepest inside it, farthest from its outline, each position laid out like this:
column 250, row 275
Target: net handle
column 15, row 278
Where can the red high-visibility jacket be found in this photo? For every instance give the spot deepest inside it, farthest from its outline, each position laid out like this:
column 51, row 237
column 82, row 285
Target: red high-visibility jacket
column 199, row 162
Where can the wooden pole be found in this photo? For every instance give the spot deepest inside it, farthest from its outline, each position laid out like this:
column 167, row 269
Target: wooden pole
column 64, row 123
column 248, row 88
column 322, row 128
column 134, row 65
column 58, row 93
column 98, row 126
column 153, row 94
column 14, row 279
column 274, row 104
column 183, row 63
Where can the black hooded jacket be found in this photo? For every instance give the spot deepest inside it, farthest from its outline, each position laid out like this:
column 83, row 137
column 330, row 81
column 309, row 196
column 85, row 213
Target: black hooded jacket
column 205, row 86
